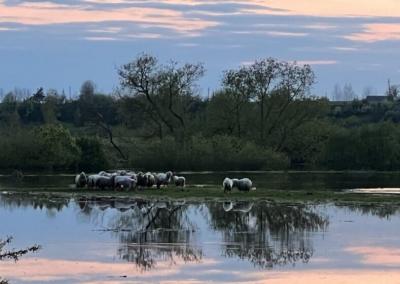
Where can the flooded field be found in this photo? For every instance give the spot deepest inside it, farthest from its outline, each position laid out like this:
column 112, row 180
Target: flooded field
column 101, row 240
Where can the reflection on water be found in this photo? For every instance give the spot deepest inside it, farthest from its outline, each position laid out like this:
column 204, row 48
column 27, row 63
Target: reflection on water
column 99, row 240
column 266, row 234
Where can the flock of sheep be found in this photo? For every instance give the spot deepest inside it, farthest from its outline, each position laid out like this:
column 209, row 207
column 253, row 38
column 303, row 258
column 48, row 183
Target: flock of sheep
column 129, row 180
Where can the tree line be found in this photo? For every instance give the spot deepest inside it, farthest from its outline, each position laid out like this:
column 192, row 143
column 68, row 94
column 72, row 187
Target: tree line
column 263, row 117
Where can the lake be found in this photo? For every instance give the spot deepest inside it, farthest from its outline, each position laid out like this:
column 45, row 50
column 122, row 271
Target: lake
column 121, row 240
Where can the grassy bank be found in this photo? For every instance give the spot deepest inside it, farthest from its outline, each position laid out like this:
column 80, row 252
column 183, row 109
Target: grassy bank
column 215, row 193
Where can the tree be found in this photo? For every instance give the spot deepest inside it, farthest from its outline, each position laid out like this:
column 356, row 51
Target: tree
column 87, row 89
column 348, row 92
column 239, row 89
column 168, row 89
column 8, row 110
column 261, row 81
column 264, row 78
column 13, row 254
column 295, row 85
column 177, row 87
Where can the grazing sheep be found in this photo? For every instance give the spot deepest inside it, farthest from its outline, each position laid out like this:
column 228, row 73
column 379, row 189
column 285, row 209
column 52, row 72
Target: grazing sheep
column 81, row 180
column 105, row 174
column 121, row 173
column 124, row 182
column 151, row 180
column 142, row 179
column 244, row 184
column 227, row 184
column 91, row 181
column 103, row 182
column 179, row 181
column 163, row 178
column 130, row 173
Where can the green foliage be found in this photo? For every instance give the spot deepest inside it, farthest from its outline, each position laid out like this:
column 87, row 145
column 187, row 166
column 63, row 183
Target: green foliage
column 44, row 147
column 370, row 147
column 199, row 153
column 92, row 157
column 58, row 147
column 263, row 117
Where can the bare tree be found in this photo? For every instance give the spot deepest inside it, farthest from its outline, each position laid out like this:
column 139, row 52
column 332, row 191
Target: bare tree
column 348, row 92
column 337, row 94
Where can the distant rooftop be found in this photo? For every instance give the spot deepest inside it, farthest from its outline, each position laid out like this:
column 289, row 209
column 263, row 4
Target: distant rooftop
column 376, row 98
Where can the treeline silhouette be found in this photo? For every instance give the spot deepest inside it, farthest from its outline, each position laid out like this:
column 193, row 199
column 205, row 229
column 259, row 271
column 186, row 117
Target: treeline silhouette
column 263, row 117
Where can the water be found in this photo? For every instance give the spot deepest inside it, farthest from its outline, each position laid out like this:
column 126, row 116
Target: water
column 262, row 180
column 112, row 241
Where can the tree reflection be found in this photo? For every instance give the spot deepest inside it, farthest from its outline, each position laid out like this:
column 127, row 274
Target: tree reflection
column 266, row 234
column 150, row 231
column 380, row 210
column 43, row 201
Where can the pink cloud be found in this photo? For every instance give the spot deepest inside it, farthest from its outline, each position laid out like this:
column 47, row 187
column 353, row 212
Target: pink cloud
column 376, row 32
column 331, row 8
column 45, row 13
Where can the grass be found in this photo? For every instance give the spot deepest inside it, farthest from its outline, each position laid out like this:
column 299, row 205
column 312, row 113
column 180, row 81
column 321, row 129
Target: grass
column 216, row 193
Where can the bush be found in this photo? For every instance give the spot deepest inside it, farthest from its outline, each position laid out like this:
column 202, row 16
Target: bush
column 199, row 153
column 370, row 147
column 49, row 147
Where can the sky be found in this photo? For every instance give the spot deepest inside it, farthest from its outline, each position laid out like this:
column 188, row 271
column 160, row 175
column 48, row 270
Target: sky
column 59, row 44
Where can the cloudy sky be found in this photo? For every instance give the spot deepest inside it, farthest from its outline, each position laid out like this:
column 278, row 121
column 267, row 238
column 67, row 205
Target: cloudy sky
column 59, row 44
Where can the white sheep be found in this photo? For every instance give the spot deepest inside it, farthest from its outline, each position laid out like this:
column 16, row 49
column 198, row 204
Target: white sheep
column 227, row 184
column 244, row 184
column 179, row 181
column 92, row 180
column 150, row 178
column 124, row 182
column 81, row 180
column 163, row 178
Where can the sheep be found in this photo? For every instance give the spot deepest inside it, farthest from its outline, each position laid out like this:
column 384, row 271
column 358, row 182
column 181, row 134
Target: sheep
column 104, row 182
column 179, row 181
column 151, row 180
column 105, row 174
column 81, row 180
column 91, row 180
column 121, row 173
column 124, row 182
column 244, row 184
column 227, row 184
column 163, row 178
column 130, row 173
column 142, row 179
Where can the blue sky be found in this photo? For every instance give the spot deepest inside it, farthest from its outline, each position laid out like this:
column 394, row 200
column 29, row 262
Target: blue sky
column 59, row 44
